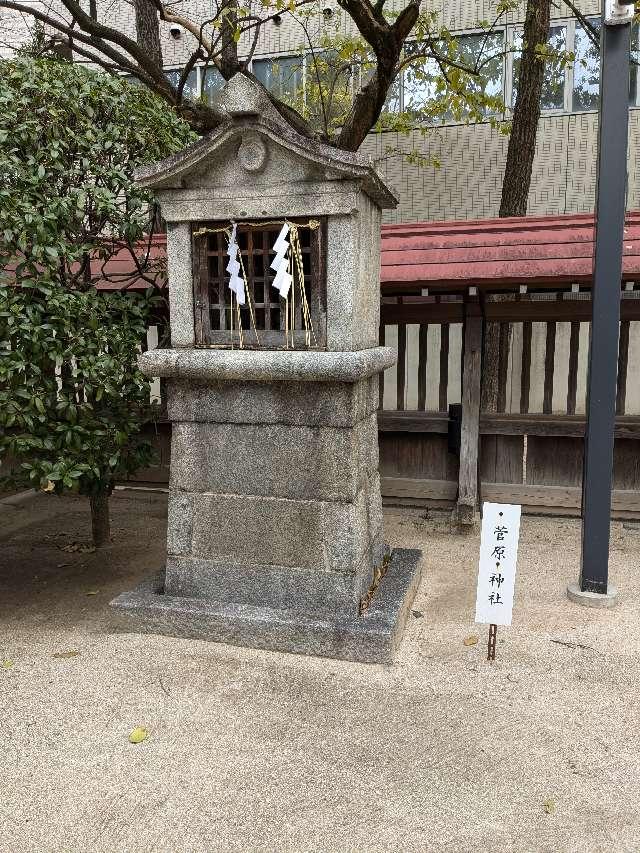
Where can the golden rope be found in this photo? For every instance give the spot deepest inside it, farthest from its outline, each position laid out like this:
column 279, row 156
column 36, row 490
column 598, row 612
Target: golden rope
column 297, row 253
column 248, row 294
column 240, row 332
column 313, row 224
column 293, row 305
column 286, row 322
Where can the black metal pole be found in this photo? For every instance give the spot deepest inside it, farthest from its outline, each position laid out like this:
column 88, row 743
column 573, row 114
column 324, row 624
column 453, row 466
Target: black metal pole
column 606, row 290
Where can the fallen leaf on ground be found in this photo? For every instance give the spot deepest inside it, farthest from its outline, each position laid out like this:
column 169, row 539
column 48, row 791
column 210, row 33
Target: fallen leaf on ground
column 70, row 654
column 49, row 487
column 7, row 664
column 470, row 641
column 549, row 806
column 92, row 592
column 62, row 565
column 417, row 613
column 138, row 735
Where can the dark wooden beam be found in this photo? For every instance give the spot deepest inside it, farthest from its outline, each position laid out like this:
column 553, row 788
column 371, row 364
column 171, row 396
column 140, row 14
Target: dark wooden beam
column 559, row 426
column 533, row 311
column 410, row 421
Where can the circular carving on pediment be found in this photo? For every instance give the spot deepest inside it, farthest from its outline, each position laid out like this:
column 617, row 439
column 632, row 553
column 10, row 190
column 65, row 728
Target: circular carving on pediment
column 252, row 153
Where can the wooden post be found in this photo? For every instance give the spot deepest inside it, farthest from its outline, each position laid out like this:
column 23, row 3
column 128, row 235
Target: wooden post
column 465, row 510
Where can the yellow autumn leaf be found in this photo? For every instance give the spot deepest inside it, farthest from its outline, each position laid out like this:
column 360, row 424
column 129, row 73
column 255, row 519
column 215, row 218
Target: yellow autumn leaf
column 7, row 664
column 469, row 641
column 92, row 592
column 138, row 735
column 549, row 806
column 49, row 487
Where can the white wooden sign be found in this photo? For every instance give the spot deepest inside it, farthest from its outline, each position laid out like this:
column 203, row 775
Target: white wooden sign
column 498, row 559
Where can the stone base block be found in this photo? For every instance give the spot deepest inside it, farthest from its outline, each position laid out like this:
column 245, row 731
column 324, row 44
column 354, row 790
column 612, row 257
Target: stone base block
column 370, row 638
column 592, row 599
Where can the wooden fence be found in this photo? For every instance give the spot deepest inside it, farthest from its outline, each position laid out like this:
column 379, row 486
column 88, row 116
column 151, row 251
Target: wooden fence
column 530, row 444
column 529, row 449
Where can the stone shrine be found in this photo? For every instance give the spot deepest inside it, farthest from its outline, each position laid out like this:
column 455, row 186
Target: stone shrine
column 275, row 535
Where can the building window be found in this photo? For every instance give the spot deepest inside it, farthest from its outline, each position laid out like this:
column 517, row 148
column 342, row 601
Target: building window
column 555, row 75
column 191, row 88
column 488, row 49
column 420, row 89
column 281, row 75
column 423, row 84
column 212, row 81
column 420, row 83
column 363, row 71
column 586, row 70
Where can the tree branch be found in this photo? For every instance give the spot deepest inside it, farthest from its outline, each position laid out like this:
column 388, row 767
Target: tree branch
column 387, row 41
column 592, row 32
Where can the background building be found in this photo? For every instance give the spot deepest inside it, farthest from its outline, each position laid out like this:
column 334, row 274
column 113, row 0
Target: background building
column 468, row 181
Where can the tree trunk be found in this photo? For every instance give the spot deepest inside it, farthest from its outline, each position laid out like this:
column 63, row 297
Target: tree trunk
column 519, row 166
column 229, row 64
column 526, row 113
column 148, row 30
column 100, row 529
column 490, row 367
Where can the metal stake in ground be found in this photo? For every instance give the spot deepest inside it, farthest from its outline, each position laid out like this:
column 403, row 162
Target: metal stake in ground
column 491, row 648
column 593, row 588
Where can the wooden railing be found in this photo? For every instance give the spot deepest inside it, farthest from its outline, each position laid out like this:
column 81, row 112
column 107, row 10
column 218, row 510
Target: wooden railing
column 530, row 447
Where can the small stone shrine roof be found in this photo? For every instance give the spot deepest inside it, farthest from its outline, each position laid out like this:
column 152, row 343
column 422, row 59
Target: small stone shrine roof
column 246, row 108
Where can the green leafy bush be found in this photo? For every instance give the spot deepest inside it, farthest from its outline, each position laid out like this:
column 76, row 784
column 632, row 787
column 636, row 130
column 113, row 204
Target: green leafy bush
column 72, row 401
column 71, row 395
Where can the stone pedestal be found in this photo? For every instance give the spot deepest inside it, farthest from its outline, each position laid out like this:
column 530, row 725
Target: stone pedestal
column 275, row 534
column 275, row 493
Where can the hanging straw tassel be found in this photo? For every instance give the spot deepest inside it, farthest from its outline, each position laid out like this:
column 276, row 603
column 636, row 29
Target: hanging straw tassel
column 293, row 308
column 299, row 264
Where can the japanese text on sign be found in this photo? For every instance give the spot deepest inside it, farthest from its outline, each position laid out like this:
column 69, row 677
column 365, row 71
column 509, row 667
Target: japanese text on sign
column 498, row 559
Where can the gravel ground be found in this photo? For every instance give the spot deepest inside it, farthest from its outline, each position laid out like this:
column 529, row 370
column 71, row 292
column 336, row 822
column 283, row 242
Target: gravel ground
column 258, row 751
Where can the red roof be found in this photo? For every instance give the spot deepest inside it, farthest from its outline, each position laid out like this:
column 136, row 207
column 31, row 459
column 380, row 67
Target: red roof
column 533, row 250
column 487, row 253
column 120, row 271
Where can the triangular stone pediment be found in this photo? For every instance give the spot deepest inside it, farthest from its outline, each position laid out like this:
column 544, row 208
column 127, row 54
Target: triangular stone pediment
column 254, row 145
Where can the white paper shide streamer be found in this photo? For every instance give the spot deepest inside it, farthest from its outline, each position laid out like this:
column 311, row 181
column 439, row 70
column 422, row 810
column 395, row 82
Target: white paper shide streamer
column 236, row 282
column 283, row 278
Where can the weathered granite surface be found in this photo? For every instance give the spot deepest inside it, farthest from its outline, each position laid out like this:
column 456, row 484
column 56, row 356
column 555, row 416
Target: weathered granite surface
column 297, row 462
column 370, row 638
column 266, row 365
column 329, row 404
column 275, row 519
column 254, row 530
column 180, row 276
column 249, row 111
column 353, row 278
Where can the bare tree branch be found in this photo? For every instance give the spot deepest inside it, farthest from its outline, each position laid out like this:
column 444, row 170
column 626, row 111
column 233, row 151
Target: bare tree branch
column 591, row 31
column 387, row 41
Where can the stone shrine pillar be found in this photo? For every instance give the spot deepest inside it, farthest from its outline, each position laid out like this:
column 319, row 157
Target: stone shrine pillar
column 275, row 535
